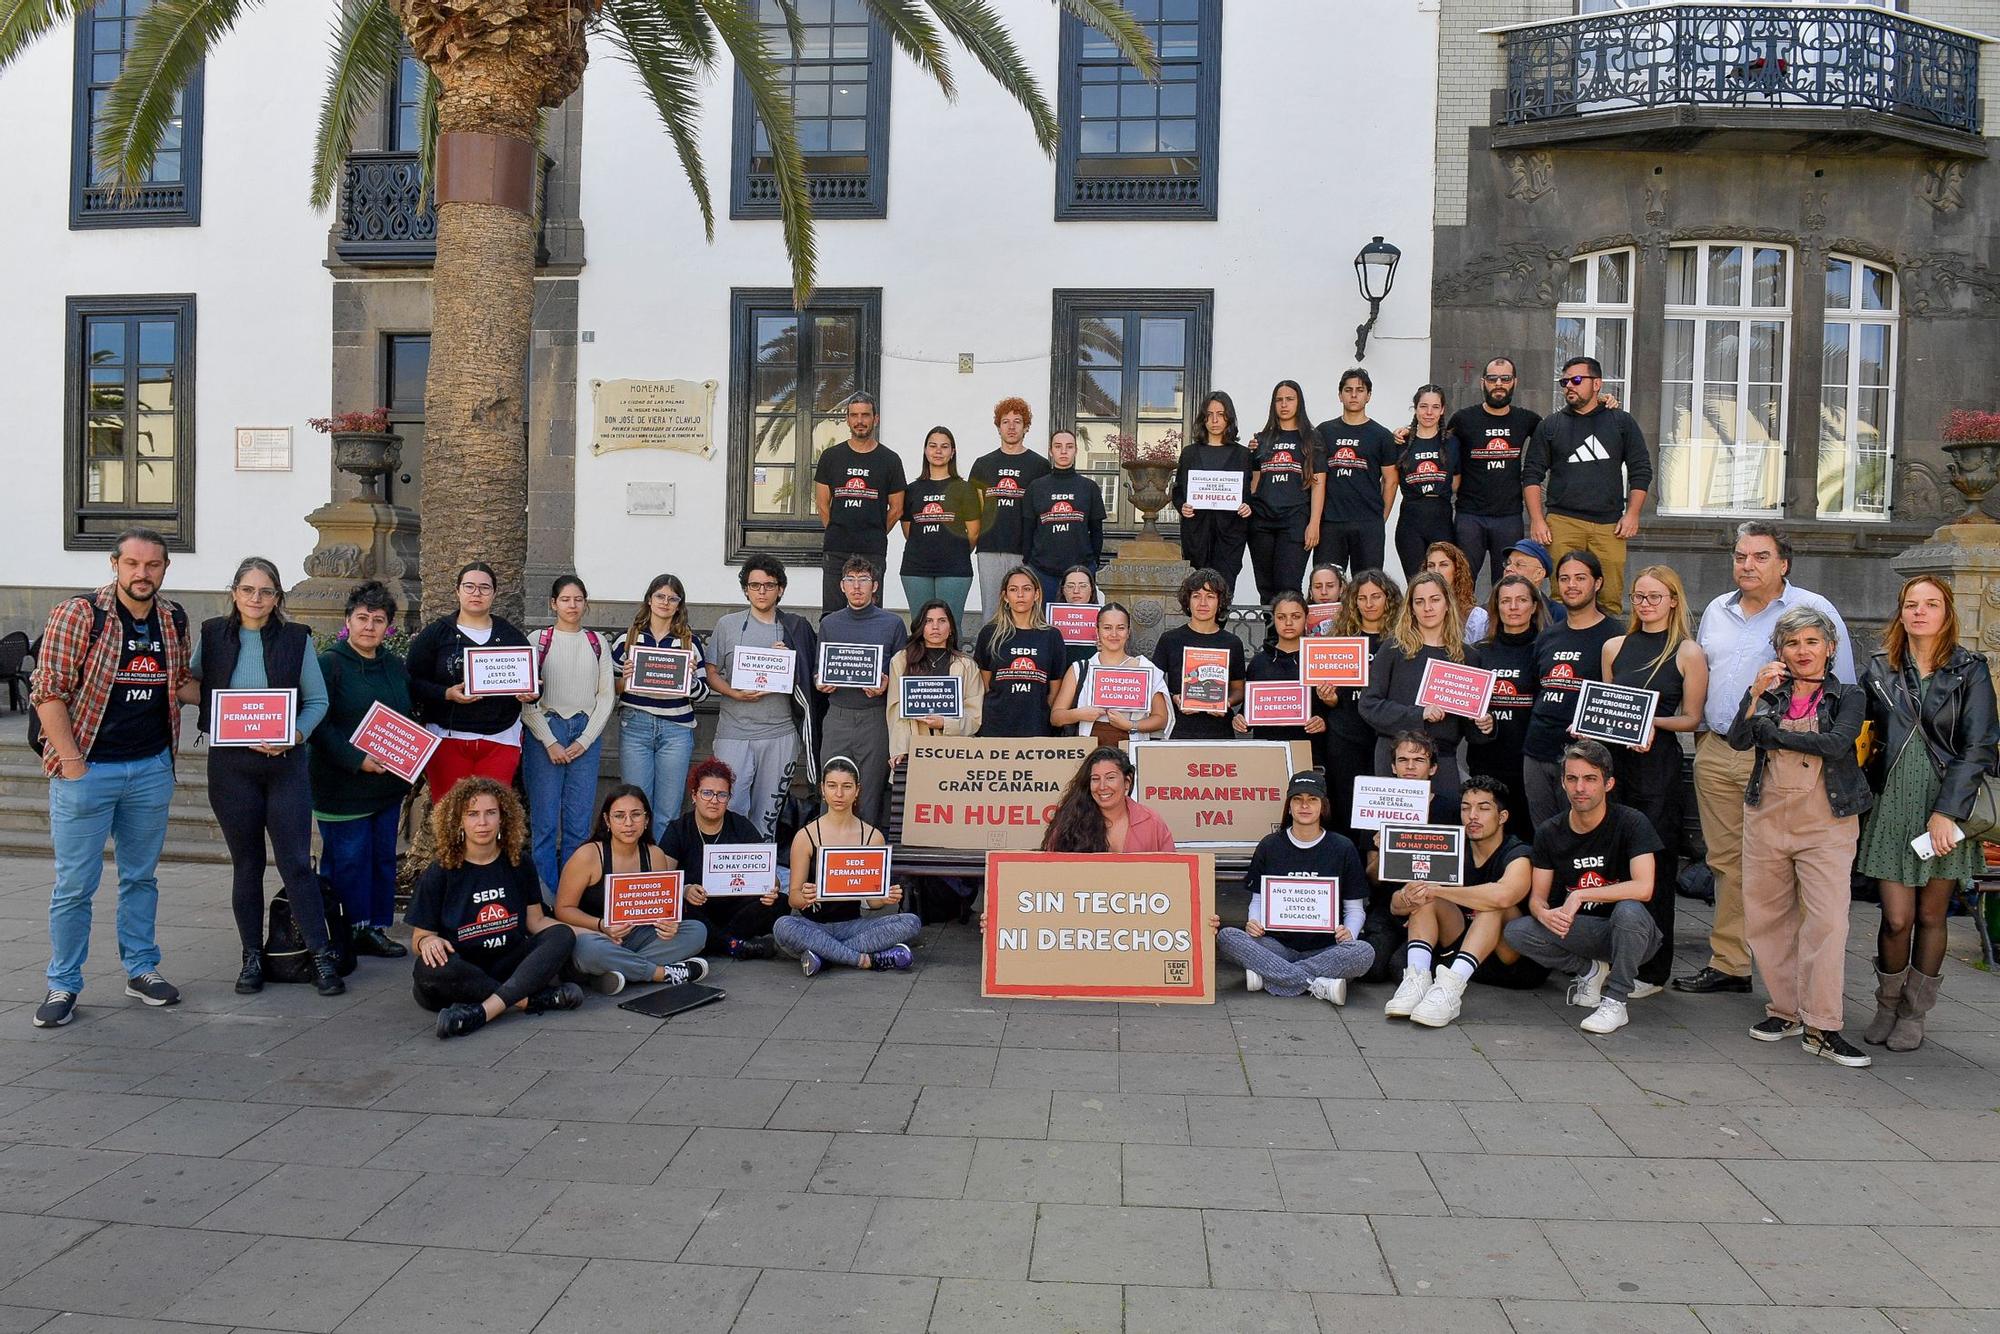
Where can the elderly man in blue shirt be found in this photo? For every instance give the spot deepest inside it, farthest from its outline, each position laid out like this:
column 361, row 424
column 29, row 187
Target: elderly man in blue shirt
column 1735, row 634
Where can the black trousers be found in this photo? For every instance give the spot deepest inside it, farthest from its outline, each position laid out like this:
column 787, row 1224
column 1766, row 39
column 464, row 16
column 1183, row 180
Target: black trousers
column 1352, row 546
column 738, row 918
column 1483, row 538
column 253, row 794
column 1278, row 557
column 1215, row 541
column 513, row 975
column 1417, row 526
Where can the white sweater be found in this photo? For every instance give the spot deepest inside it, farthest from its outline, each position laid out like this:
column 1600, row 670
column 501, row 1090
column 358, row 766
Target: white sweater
column 574, row 680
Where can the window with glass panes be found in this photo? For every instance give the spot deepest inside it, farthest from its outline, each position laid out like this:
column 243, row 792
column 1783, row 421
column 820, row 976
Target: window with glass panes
column 406, row 365
column 170, row 192
column 1723, row 379
column 838, row 79
column 792, row 374
column 130, row 409
column 1133, row 146
column 405, row 108
column 1594, row 316
column 1130, row 364
column 1857, row 392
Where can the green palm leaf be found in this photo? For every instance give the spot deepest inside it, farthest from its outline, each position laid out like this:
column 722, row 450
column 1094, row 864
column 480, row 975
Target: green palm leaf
column 736, row 25
column 911, row 29
column 367, row 47
column 22, row 21
column 173, row 38
column 648, row 39
column 1110, row 18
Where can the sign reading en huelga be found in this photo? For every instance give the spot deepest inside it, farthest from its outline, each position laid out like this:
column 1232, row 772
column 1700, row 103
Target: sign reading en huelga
column 1621, row 715
column 1431, row 852
column 1099, row 926
column 1220, row 792
column 979, row 793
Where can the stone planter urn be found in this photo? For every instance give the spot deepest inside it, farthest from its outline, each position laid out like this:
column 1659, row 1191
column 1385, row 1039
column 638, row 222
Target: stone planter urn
column 368, row 455
column 1150, row 486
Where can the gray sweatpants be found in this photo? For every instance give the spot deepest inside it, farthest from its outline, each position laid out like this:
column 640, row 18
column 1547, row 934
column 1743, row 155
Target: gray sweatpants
column 1286, row 971
column 1624, row 939
column 760, row 768
column 1543, row 780
column 862, row 735
column 639, row 953
column 991, row 567
column 845, row 942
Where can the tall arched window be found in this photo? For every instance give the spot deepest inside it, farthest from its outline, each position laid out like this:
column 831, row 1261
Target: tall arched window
column 1857, row 397
column 1594, row 317
column 1723, row 379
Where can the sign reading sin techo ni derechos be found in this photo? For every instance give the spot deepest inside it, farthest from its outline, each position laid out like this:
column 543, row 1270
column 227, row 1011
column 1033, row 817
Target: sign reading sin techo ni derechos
column 976, row 792
column 1621, row 715
column 1099, row 926
column 1334, row 661
column 1277, row 704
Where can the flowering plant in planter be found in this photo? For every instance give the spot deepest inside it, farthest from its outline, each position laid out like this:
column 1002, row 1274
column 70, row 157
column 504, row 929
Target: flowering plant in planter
column 1968, row 426
column 374, row 421
column 1164, row 451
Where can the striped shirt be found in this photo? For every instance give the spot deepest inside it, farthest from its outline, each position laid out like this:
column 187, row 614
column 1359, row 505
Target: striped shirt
column 672, row 710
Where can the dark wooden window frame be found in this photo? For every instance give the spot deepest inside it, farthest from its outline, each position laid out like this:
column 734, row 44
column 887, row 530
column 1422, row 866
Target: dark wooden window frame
column 745, row 532
column 875, row 202
column 188, row 214
column 178, row 525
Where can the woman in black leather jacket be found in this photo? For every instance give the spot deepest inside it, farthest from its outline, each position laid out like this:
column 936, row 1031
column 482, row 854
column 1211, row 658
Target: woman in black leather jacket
column 1930, row 701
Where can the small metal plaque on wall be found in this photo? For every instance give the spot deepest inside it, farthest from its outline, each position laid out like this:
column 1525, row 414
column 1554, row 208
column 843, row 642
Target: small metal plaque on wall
column 653, row 414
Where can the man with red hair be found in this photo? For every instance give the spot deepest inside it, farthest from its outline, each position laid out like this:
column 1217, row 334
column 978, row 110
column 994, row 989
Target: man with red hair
column 1003, row 478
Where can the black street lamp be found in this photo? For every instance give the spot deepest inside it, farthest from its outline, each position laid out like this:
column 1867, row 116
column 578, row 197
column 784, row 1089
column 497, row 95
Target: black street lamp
column 1375, row 270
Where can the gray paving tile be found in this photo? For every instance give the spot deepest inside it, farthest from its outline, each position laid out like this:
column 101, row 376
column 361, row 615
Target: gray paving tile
column 1462, row 1077
column 27, row 1241
column 1945, row 1322
column 1173, row 1072
column 331, row 1083
column 76, row 1120
column 781, row 1230
column 72, row 1322
column 308, row 1200
column 1799, row 1320
column 1944, row 1088
column 1354, row 1182
column 948, row 1239
column 1359, row 1123
column 331, row 1136
column 1593, row 1083
column 123, row 1270
column 1062, row 1070
column 167, row 1189
column 571, row 1095
column 671, row 1052
column 1177, row 1031
column 807, row 1023
column 1832, row 1192
column 1271, row 1123
column 99, row 1069
column 617, row 1222
column 1094, row 1031
column 1694, row 1190
column 1260, row 1035
column 917, row 1166
column 1948, row 1135
column 292, row 1283
column 1083, row 1243
column 1708, row 1083
column 220, row 1076
column 1045, row 1171
column 1827, row 1266
column 1223, row 1310
column 705, row 1100
column 35, row 1176
column 1197, row 1178
column 817, row 1058
column 1469, row 1257
column 1128, row 1118
column 464, row 1092
column 626, row 1294
column 980, row 1306
column 1502, row 1043
column 1281, row 1076
column 561, row 1049
column 786, row 1302
column 464, row 1292
column 1827, row 1132
column 1546, row 1129
column 862, row 1108
column 946, row 1066
column 1293, row 1252
column 1410, row 1315
column 481, row 1213
column 956, row 1025
column 983, row 1113
column 23, row 1319
column 1533, row 1317
column 469, row 1145
column 1648, row 1262
column 1686, row 1132
column 1482, row 1185
column 778, row 1160
column 600, row 1151
column 1957, row 1259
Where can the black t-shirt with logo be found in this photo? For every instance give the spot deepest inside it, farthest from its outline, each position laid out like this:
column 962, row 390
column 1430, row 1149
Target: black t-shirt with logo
column 858, row 515
column 138, row 718
column 1168, row 655
column 1425, row 469
column 938, row 511
column 1583, row 862
column 1003, row 480
column 1286, row 465
column 1490, row 450
column 1355, row 458
column 1565, row 657
column 1511, row 659
column 481, row 910
column 1017, row 702
column 1494, row 868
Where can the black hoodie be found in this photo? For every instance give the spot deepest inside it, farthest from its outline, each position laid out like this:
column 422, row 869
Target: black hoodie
column 1065, row 522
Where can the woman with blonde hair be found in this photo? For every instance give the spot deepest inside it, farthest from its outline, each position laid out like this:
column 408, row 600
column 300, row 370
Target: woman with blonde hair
column 1020, row 657
column 483, row 944
column 1429, row 628
column 1369, row 606
column 1658, row 653
column 1930, row 700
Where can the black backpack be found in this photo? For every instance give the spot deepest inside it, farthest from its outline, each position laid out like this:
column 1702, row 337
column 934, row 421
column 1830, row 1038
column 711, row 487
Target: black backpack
column 98, row 616
column 286, row 956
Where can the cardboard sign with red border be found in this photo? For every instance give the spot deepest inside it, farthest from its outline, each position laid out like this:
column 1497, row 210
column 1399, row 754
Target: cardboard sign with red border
column 1299, row 903
column 1455, row 688
column 1119, row 688
column 502, row 669
column 1320, row 617
column 1204, row 680
column 1277, row 704
column 852, row 873
column 640, row 898
column 1099, row 926
column 253, row 718
column 1075, row 621
column 1337, row 661
column 667, row 673
column 401, row 745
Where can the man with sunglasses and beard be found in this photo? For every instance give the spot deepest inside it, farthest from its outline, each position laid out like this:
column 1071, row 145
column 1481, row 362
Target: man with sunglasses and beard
column 1492, row 436
column 1585, row 477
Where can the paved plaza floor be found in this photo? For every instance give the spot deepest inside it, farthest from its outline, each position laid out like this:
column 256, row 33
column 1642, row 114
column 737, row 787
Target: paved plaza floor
column 893, row 1153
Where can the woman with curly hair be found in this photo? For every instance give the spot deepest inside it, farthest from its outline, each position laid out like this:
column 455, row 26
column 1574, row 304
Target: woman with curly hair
column 483, row 944
column 1446, row 561
column 1097, row 813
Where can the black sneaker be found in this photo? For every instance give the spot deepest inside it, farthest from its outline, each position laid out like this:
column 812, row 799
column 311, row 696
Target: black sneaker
column 1774, row 1029
column 153, row 989
column 756, row 947
column 57, row 1010
column 374, row 941
column 697, row 968
column 1704, row 981
column 562, row 996
column 455, row 1021
column 1835, row 1048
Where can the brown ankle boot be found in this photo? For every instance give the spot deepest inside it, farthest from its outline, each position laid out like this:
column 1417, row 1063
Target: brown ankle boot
column 1920, row 992
column 1888, row 998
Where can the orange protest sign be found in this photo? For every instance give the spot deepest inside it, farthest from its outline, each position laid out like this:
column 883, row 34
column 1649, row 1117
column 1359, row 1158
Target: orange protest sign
column 852, row 873
column 1334, row 661
column 641, row 897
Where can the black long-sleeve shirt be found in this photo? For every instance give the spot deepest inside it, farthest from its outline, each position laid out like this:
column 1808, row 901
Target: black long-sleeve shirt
column 1065, row 519
column 1333, row 855
column 437, row 662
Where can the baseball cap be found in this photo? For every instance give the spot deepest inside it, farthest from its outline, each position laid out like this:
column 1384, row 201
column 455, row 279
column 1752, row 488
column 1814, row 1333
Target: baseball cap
column 1307, row 783
column 1528, row 546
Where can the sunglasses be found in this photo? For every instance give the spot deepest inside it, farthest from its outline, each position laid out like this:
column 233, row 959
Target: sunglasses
column 1574, row 380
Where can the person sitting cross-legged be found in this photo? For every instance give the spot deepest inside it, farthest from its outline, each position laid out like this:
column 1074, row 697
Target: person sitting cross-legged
column 609, row 956
column 818, row 932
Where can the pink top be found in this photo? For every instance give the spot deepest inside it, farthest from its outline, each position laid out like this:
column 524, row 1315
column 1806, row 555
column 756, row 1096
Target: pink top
column 1145, row 831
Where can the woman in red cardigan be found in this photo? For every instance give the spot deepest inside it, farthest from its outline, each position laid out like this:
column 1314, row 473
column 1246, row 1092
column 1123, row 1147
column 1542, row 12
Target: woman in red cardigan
column 1097, row 813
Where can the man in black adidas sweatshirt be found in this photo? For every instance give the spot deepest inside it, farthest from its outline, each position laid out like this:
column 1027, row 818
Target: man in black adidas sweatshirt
column 1585, row 478
column 1065, row 519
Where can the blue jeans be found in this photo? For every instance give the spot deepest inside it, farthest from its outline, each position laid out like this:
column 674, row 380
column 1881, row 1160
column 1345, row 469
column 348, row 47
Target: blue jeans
column 125, row 802
column 950, row 589
column 640, row 953
column 561, row 797
column 655, row 754
column 358, row 857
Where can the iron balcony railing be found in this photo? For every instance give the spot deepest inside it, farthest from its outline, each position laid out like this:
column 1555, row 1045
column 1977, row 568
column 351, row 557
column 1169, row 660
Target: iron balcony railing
column 386, row 217
column 1845, row 57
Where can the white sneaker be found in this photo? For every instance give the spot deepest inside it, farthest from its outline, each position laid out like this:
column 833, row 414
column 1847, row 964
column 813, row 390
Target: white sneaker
column 1641, row 990
column 1608, row 1017
column 1588, row 989
column 1332, row 990
column 1416, row 981
column 608, row 984
column 1252, row 981
column 1442, row 1002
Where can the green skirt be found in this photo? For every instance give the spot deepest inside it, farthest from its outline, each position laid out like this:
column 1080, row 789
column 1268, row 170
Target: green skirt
column 1901, row 813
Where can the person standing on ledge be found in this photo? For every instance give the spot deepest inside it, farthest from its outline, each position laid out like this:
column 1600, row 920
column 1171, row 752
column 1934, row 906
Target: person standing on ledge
column 1586, row 476
column 858, row 489
column 1492, row 437
column 1003, row 477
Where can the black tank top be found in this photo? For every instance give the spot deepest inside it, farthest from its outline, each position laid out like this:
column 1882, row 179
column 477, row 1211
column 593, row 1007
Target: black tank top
column 592, row 899
column 1634, row 667
column 841, row 910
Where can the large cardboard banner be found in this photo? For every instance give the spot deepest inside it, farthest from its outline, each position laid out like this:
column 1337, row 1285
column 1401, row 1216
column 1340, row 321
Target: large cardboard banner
column 1219, row 793
column 1077, row 926
column 972, row 792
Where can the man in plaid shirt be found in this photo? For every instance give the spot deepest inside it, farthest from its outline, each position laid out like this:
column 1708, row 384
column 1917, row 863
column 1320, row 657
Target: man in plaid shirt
column 105, row 678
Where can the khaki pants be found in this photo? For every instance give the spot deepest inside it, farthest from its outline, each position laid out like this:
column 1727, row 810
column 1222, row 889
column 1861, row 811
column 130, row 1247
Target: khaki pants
column 1720, row 775
column 1600, row 540
column 1796, row 859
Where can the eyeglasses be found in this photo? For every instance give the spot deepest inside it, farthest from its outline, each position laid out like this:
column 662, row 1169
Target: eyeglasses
column 669, row 600
column 713, row 794
column 1498, row 379
column 475, row 588
column 255, row 594
column 762, row 586
column 1649, row 597
column 1574, row 380
column 857, row 579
